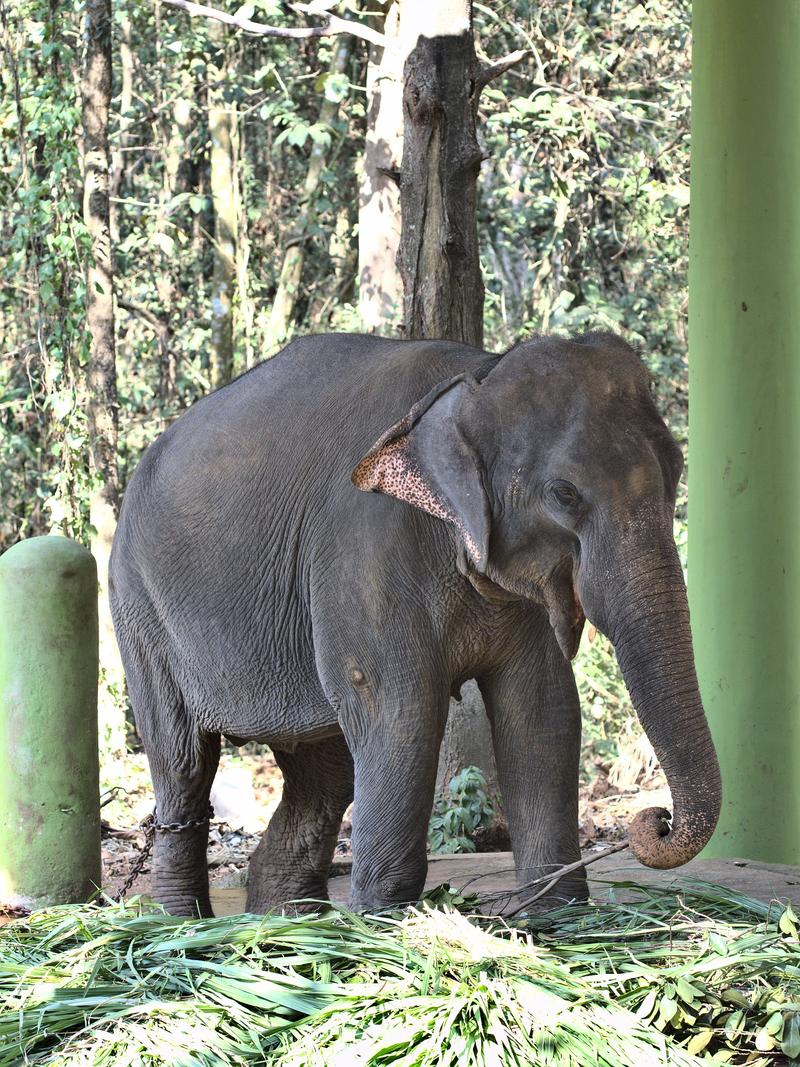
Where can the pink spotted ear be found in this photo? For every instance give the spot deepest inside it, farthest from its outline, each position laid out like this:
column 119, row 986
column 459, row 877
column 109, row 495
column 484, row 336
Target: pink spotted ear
column 391, row 470
column 426, row 460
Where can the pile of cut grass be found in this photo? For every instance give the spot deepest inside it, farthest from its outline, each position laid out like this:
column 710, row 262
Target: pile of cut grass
column 664, row 980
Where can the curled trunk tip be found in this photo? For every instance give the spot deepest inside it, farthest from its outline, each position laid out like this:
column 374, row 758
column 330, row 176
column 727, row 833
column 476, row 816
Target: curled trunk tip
column 656, row 840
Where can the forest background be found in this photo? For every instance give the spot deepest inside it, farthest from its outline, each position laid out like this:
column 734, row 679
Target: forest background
column 239, row 218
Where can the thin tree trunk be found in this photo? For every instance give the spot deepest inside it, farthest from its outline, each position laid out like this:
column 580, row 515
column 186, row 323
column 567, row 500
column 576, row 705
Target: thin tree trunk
column 380, row 292
column 118, row 159
column 102, row 376
column 438, row 256
column 467, row 741
column 223, row 194
column 202, row 221
column 101, row 373
column 341, row 277
column 292, row 270
column 175, row 130
column 247, row 311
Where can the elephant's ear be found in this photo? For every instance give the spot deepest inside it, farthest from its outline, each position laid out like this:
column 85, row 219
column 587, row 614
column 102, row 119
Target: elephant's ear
column 426, row 460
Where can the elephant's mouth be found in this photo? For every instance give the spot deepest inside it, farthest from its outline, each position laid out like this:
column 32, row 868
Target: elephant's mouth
column 564, row 610
column 557, row 594
column 568, row 626
column 490, row 590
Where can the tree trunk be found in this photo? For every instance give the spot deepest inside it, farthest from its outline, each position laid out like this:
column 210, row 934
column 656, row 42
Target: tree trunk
column 344, row 263
column 283, row 305
column 438, row 256
column 119, row 160
column 101, row 371
column 380, row 292
column 247, row 310
column 465, row 740
column 220, row 124
column 102, row 376
column 175, row 128
column 438, row 252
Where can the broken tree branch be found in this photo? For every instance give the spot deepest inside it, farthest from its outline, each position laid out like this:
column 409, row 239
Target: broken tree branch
column 493, row 70
column 555, row 877
column 332, row 28
column 150, row 317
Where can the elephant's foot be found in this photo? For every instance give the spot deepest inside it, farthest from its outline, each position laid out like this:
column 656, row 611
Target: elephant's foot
column 292, row 860
column 182, row 903
column 373, row 889
column 180, row 874
column 295, row 891
column 181, row 895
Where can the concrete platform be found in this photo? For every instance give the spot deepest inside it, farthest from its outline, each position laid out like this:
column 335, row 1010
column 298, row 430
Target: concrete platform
column 493, row 873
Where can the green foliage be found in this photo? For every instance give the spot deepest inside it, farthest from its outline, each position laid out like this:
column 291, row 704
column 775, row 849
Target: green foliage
column 667, row 979
column 583, row 206
column 585, row 193
column 44, row 479
column 605, row 705
column 459, row 812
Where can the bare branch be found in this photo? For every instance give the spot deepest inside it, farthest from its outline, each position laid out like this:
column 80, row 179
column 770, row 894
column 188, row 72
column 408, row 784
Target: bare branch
column 158, row 324
column 555, row 877
column 494, row 70
column 333, row 27
column 392, row 173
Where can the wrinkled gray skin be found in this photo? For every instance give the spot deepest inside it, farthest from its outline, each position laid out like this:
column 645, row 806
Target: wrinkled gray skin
column 257, row 593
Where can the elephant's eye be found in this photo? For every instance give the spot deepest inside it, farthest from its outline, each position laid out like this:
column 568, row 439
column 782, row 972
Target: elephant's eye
column 564, row 494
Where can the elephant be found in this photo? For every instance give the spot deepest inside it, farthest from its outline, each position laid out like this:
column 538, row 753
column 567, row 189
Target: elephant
column 318, row 554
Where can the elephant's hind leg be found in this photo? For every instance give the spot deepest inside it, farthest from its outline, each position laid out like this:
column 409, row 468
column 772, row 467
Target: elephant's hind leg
column 293, row 859
column 183, row 761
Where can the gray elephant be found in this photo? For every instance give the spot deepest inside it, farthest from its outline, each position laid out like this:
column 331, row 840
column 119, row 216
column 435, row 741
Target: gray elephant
column 257, row 594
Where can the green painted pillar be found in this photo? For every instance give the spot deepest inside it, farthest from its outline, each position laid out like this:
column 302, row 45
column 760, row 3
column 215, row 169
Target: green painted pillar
column 744, row 424
column 49, row 792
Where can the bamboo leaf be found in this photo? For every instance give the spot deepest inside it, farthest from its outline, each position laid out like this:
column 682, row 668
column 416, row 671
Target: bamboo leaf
column 700, row 1041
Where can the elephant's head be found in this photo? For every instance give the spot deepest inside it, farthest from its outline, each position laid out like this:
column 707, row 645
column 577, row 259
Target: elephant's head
column 560, row 477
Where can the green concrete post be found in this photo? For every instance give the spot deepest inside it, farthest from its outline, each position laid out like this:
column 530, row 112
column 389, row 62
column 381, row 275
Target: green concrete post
column 744, row 425
column 49, row 792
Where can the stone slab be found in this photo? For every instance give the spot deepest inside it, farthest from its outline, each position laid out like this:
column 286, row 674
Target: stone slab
column 493, row 873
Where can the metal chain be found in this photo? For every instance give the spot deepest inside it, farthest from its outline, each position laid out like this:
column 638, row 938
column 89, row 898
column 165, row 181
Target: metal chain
column 14, row 911
column 179, row 827
column 151, row 827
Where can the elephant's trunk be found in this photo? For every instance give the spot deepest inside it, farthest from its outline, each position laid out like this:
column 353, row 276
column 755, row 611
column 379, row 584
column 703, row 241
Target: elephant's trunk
column 653, row 642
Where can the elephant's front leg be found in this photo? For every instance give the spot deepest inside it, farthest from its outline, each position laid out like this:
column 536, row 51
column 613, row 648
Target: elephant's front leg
column 395, row 740
column 536, row 726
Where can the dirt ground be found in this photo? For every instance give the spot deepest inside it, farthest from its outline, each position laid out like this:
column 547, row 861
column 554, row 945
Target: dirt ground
column 248, row 788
